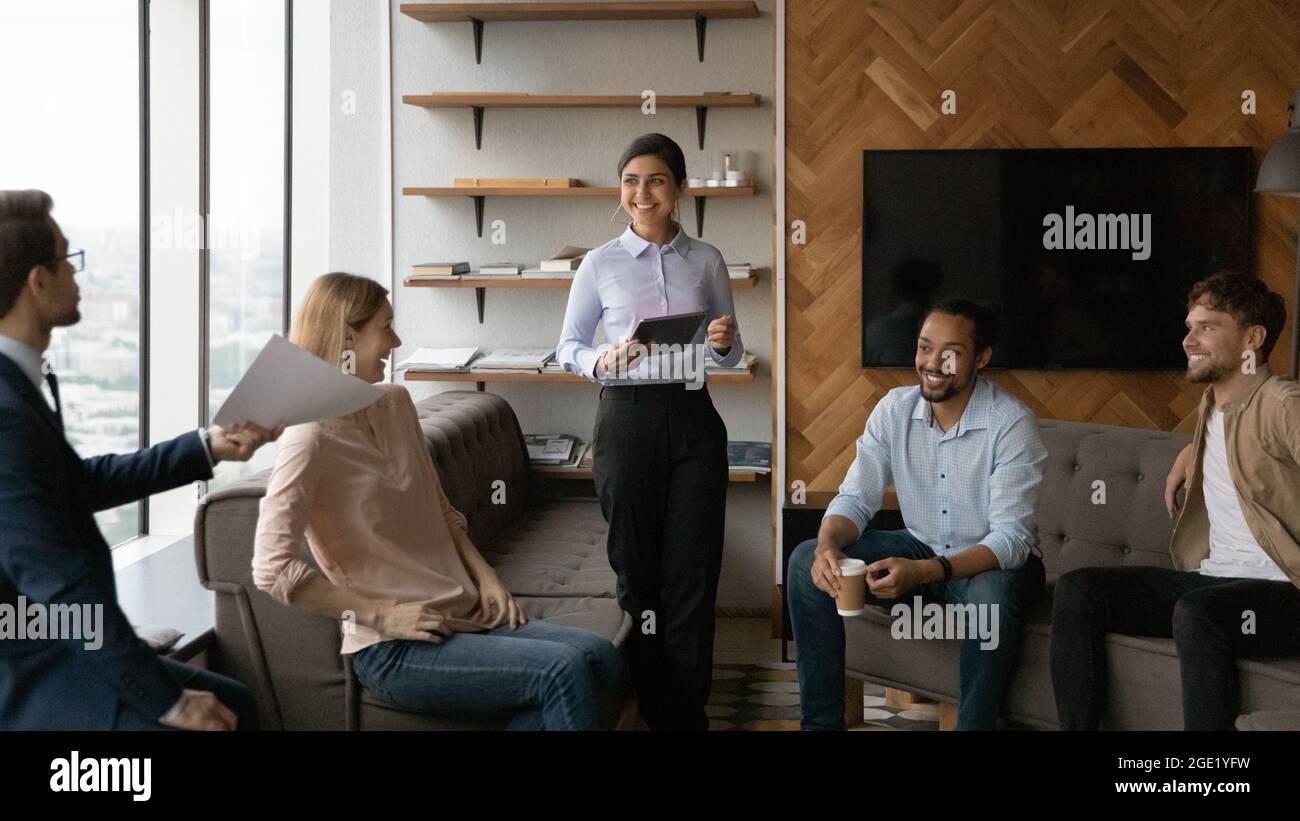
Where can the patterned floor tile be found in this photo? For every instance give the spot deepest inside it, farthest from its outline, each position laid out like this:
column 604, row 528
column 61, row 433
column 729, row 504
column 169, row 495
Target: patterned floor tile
column 765, row 697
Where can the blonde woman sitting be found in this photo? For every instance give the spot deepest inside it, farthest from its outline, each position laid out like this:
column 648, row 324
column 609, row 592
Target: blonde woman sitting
column 434, row 629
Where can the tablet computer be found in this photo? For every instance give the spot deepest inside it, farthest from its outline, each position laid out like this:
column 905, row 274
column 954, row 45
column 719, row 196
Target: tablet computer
column 676, row 329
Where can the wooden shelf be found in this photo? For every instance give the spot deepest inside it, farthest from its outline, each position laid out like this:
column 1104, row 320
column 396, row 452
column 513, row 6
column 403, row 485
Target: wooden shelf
column 477, row 103
column 555, row 472
column 475, row 191
column 520, row 282
column 483, row 377
column 480, row 285
column 479, row 194
column 494, row 100
column 462, row 12
column 479, row 13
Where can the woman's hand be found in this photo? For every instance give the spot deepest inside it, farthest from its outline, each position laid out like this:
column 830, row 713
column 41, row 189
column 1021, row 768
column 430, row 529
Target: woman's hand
column 722, row 333
column 496, row 604
column 415, row 621
column 611, row 362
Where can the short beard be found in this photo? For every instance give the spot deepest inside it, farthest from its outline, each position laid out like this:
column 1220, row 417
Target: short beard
column 1212, row 373
column 944, row 395
column 72, row 317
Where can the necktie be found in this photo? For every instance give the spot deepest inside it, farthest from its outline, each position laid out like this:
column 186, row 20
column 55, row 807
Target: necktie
column 53, row 382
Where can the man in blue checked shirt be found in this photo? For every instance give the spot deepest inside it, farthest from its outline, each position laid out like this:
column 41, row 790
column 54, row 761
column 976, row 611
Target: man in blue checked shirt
column 966, row 461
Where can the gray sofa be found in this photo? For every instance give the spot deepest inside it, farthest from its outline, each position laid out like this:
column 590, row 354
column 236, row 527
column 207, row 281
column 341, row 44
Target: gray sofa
column 1132, row 528
column 549, row 553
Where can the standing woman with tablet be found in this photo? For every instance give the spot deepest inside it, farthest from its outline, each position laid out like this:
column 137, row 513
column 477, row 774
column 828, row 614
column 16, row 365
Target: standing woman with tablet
column 660, row 447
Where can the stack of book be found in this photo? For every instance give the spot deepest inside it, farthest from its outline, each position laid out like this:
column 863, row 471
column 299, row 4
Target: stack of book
column 440, row 360
column 439, row 270
column 515, row 360
column 561, row 266
column 496, row 270
column 743, row 366
column 753, row 457
column 739, row 270
column 516, row 182
column 555, row 449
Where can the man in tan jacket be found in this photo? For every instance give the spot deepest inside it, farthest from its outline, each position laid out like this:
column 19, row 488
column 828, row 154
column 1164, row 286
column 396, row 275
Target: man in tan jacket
column 1233, row 591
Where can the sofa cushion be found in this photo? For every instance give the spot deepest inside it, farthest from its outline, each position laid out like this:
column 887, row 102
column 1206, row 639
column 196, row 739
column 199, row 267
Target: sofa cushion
column 554, row 549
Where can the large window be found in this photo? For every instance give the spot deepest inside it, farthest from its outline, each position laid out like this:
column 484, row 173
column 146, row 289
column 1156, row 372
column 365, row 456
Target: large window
column 71, row 93
column 69, row 81
column 246, row 167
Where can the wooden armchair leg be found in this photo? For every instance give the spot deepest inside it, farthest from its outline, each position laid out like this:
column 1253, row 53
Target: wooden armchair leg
column 947, row 716
column 900, row 699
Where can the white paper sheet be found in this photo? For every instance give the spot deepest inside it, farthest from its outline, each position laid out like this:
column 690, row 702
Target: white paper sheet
column 287, row 383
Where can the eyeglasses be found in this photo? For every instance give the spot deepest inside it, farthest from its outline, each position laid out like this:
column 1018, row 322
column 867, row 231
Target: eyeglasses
column 77, row 259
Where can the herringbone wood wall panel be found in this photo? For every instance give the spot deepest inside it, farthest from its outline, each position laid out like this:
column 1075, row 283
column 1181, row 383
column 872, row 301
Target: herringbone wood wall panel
column 1027, row 73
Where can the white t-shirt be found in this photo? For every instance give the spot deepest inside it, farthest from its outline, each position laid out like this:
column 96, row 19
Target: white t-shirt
column 1233, row 549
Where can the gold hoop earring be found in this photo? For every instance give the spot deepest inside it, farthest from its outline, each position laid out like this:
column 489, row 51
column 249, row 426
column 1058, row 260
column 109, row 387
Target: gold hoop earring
column 620, row 222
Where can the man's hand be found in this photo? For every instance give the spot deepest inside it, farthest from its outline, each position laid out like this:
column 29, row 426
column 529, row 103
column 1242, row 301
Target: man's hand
column 826, row 568
column 722, row 333
column 894, row 577
column 200, row 710
column 417, row 621
column 1177, row 477
column 240, row 442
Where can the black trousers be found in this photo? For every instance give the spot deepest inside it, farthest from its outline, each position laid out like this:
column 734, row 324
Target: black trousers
column 661, row 475
column 233, row 694
column 1204, row 615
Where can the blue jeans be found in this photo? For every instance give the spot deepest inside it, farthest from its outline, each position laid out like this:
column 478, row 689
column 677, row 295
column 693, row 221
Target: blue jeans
column 556, row 677
column 819, row 629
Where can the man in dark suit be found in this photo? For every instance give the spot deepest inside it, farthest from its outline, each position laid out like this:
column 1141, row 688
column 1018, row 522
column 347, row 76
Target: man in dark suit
column 52, row 556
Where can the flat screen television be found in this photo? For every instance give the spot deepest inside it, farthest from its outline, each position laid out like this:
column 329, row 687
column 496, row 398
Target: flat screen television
column 1089, row 252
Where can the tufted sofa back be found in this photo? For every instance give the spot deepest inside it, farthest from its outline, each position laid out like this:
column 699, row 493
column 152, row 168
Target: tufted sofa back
column 479, row 450
column 1102, row 500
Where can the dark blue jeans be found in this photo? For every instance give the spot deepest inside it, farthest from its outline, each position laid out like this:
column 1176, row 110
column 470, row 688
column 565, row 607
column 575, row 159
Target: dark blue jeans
column 819, row 630
column 554, row 677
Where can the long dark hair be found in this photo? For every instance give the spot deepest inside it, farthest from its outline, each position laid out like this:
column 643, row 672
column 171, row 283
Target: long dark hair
column 660, row 146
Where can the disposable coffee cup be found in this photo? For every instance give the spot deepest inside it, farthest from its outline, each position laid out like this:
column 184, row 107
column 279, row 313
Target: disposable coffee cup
column 852, row 599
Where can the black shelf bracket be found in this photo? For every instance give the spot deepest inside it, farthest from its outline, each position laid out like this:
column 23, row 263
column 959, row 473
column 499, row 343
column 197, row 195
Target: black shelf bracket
column 478, row 128
column 478, row 40
column 480, row 387
column 701, row 116
column 480, row 296
column 701, row 23
column 699, row 216
column 478, row 213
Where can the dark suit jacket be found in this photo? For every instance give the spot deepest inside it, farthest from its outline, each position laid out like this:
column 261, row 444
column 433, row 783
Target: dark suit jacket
column 51, row 551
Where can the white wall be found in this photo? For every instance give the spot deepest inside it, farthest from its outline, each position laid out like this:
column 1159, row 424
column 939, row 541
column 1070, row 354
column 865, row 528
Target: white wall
column 430, row 147
column 312, row 104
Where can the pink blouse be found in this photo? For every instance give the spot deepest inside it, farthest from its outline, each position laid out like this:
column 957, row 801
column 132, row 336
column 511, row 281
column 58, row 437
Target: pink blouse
column 363, row 490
